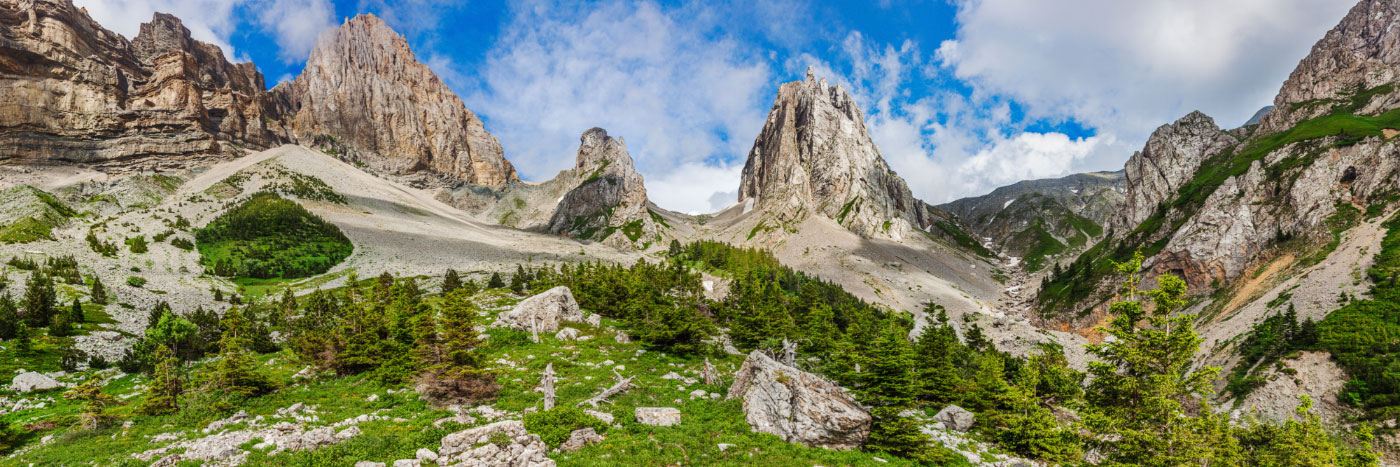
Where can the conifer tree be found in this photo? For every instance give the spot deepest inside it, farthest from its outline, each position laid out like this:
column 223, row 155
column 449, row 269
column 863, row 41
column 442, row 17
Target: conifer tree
column 450, row 281
column 98, row 293
column 166, row 385
column 40, row 300
column 218, row 295
column 22, row 335
column 69, row 355
column 675, row 248
column 889, row 386
column 60, row 325
column 517, row 281
column 496, row 282
column 9, row 316
column 95, row 403
column 236, row 372
column 75, row 312
column 161, row 309
column 458, row 377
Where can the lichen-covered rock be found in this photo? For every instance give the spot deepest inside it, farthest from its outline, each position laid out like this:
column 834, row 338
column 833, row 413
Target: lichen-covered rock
column 478, row 447
column 797, row 406
column 31, row 381
column 580, row 438
column 815, row 155
column 543, row 312
column 658, row 416
column 955, row 418
column 363, row 86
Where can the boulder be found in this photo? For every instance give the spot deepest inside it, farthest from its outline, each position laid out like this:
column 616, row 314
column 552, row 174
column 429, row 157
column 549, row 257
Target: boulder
column 369, row 464
column 593, row 320
column 955, row 418
column 603, row 416
column 797, row 406
column 477, row 446
column 31, row 381
column 658, row 416
column 426, row 455
column 567, row 334
column 543, row 312
column 580, row 438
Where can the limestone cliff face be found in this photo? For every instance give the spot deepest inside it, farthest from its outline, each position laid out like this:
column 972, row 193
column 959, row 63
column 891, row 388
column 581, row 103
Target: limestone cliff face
column 1360, row 54
column 815, row 156
column 364, row 88
column 71, row 91
column 608, row 200
column 1170, row 159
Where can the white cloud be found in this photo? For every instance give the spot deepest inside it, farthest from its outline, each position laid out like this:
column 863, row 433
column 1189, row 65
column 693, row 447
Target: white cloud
column 295, row 25
column 696, row 188
column 687, row 101
column 1128, row 67
column 211, row 21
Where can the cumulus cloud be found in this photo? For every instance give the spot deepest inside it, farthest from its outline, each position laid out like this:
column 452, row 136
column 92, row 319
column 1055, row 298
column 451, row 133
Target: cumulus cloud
column 295, row 25
column 687, row 102
column 1127, row 67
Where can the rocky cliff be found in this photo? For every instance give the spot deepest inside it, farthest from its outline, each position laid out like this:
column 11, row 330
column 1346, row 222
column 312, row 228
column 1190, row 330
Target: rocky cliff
column 815, row 156
column 363, row 88
column 73, row 92
column 1354, row 65
column 608, row 201
column 1169, row 160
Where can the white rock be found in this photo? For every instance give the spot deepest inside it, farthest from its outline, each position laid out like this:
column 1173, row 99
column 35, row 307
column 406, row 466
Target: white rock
column 798, row 406
column 426, row 455
column 372, row 397
column 658, row 416
column 407, row 463
column 567, row 334
column 604, row 416
column 369, row 464
column 580, row 438
column 594, row 320
column 542, row 312
column 955, row 418
column 31, row 381
column 725, row 446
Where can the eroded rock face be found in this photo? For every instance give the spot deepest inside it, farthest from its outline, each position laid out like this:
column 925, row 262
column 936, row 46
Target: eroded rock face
column 1362, row 52
column 797, row 406
column 543, row 312
column 73, row 92
column 1170, row 159
column 364, row 87
column 816, row 156
column 609, row 200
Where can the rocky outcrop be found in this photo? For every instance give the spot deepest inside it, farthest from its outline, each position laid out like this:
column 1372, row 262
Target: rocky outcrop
column 608, row 201
column 543, row 312
column 1073, row 211
column 658, row 416
column 478, row 447
column 364, row 88
column 1170, row 159
column 815, row 156
column 31, row 381
column 1360, row 54
column 797, row 406
column 73, row 92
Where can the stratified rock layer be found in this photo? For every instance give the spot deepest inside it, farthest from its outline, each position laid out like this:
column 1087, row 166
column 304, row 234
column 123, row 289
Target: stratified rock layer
column 363, row 87
column 816, row 156
column 73, row 92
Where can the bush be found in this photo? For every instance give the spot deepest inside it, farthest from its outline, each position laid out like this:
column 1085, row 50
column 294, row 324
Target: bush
column 136, row 281
column 555, row 425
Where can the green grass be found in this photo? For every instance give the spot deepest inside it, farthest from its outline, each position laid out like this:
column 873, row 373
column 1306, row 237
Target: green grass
column 1043, row 246
column 962, row 238
column 36, row 213
column 846, row 210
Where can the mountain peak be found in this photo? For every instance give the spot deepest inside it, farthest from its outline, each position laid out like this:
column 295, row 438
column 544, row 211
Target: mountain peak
column 815, row 155
column 1169, row 159
column 364, row 86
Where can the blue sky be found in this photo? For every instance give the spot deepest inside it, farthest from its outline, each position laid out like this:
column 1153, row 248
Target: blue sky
column 962, row 96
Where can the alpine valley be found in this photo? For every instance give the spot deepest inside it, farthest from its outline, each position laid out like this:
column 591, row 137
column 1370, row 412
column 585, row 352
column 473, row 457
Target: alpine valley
column 347, row 269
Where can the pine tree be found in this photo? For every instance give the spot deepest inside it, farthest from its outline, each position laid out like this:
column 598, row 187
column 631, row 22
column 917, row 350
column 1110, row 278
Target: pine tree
column 95, row 403
column 496, row 282
column 22, row 334
column 889, row 385
column 936, row 351
column 450, row 281
column 428, row 348
column 236, row 372
column 98, row 293
column 218, row 295
column 675, row 248
column 39, row 300
column 60, row 325
column 161, row 309
column 517, row 281
column 459, row 377
column 164, row 390
column 9, row 316
column 75, row 312
column 1143, row 376
column 69, row 355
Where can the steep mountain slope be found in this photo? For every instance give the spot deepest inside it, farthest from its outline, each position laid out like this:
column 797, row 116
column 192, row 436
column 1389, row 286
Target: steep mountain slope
column 364, row 88
column 1208, row 204
column 814, row 156
column 1040, row 219
column 73, row 92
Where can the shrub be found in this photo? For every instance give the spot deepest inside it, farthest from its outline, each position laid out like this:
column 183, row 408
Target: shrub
column 136, row 281
column 555, row 425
